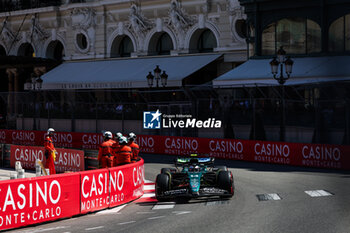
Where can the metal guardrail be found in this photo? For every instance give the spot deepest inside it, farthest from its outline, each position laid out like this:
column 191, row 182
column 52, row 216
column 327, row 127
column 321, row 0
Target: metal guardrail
column 6, row 154
column 2, row 155
column 91, row 159
column 322, row 107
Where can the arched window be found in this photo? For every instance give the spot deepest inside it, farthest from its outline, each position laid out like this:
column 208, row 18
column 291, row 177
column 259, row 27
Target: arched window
column 26, row 50
column 241, row 28
column 164, row 44
column 206, row 42
column 297, row 36
column 202, row 41
column 122, row 47
column 126, row 47
column 339, row 35
column 2, row 51
column 55, row 50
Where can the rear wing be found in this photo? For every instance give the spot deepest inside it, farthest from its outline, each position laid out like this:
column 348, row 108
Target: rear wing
column 194, row 160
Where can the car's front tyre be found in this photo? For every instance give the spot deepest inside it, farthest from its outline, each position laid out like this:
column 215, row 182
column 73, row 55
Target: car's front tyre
column 225, row 182
column 162, row 185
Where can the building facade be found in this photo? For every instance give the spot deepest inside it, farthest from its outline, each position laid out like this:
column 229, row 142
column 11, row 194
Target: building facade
column 314, row 101
column 303, row 28
column 38, row 35
column 103, row 29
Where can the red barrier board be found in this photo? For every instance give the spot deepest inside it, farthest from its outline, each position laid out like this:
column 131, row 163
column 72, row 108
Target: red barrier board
column 94, row 190
column 300, row 154
column 66, row 159
column 126, row 183
column 35, row 200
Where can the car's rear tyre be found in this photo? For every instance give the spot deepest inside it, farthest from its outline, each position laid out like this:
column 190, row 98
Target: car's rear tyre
column 221, row 168
column 162, row 185
column 225, row 182
column 165, row 170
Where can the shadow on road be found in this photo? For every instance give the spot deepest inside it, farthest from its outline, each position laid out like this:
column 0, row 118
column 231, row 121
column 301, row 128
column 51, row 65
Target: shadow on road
column 205, row 200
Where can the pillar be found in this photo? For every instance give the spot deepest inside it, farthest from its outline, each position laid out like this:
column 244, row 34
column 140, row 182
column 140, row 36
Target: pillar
column 10, row 75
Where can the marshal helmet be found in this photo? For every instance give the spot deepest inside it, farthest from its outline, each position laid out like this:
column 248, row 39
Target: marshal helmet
column 118, row 135
column 123, row 140
column 108, row 134
column 132, row 137
column 50, row 130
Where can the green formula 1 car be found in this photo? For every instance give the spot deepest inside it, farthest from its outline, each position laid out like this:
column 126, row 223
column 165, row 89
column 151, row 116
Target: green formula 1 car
column 193, row 178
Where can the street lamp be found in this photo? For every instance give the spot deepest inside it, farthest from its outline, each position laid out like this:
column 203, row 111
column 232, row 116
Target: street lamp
column 157, row 76
column 150, row 78
column 279, row 62
column 164, row 78
column 281, row 79
column 34, row 84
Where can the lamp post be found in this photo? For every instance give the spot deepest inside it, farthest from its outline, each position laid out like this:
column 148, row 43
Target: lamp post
column 157, row 76
column 34, row 84
column 281, row 61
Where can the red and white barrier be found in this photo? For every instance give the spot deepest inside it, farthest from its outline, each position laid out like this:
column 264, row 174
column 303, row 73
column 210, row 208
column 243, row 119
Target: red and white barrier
column 94, row 190
column 35, row 200
column 126, row 183
column 300, row 154
column 66, row 159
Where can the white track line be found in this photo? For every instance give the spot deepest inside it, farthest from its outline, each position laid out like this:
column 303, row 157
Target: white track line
column 149, row 181
column 181, row 212
column 149, row 187
column 156, row 217
column 164, row 206
column 46, row 229
column 210, row 203
column 111, row 211
column 94, row 228
column 318, row 193
column 124, row 223
column 148, row 195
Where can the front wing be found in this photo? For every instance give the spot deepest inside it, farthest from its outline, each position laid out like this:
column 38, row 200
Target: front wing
column 203, row 192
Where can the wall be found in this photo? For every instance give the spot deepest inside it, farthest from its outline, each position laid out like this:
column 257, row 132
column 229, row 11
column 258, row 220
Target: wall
column 300, row 154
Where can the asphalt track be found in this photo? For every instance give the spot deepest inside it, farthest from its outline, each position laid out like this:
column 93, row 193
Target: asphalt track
column 289, row 208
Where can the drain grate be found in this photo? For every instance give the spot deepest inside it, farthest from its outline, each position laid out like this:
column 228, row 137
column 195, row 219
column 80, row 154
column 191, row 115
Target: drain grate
column 318, row 193
column 268, row 197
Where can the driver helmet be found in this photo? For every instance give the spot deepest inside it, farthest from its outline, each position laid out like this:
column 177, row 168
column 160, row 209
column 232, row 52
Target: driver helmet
column 196, row 168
